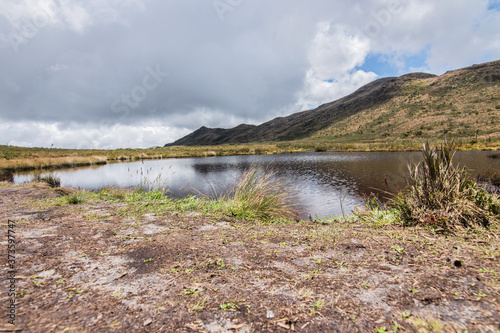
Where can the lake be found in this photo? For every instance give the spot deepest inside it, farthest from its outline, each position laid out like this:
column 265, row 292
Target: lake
column 327, row 183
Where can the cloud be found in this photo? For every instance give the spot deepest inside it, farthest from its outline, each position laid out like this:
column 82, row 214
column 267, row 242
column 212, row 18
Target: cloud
column 45, row 134
column 70, row 67
column 333, row 57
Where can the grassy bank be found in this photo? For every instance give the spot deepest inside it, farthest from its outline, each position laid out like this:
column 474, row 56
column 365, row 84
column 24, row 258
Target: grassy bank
column 257, row 195
column 23, row 159
column 438, row 195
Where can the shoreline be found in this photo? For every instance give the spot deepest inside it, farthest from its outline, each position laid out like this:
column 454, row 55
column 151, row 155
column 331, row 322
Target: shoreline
column 48, row 159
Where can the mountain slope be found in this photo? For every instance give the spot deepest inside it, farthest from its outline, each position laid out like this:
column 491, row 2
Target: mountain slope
column 416, row 104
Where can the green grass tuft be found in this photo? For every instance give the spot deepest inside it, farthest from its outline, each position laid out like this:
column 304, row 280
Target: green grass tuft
column 442, row 195
column 75, row 199
column 258, row 193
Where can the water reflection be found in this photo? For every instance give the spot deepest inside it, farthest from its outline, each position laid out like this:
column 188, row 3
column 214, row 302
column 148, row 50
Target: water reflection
column 325, row 182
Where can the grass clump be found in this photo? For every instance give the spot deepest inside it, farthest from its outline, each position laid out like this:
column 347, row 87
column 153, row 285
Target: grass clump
column 258, row 193
column 75, row 199
column 51, row 180
column 440, row 194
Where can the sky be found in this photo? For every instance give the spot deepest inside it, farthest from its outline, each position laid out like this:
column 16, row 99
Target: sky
column 143, row 73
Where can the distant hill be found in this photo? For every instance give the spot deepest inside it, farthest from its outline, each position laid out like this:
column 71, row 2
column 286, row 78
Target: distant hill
column 459, row 103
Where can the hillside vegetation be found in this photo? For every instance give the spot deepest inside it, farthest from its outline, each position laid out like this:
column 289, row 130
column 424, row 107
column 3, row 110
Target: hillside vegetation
column 464, row 104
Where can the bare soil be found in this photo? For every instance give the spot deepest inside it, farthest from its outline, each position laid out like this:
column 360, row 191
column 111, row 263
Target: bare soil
column 102, row 267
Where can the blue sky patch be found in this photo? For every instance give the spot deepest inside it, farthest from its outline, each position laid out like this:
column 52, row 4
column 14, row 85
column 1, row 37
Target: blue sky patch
column 384, row 66
column 378, row 63
column 494, row 5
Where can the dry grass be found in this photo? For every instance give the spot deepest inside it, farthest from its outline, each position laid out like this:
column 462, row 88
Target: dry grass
column 49, row 162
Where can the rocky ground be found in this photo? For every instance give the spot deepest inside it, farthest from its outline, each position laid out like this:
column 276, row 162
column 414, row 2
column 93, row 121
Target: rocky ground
column 100, row 266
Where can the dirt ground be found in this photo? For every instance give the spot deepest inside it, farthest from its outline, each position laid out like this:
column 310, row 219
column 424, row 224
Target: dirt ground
column 101, row 267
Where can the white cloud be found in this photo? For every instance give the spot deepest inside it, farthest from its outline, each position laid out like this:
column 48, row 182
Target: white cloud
column 334, row 55
column 67, row 61
column 39, row 134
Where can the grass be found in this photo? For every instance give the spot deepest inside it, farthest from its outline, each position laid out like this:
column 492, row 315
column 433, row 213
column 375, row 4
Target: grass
column 443, row 195
column 23, row 159
column 258, row 193
column 51, row 180
column 438, row 194
column 26, row 159
column 40, row 160
column 75, row 199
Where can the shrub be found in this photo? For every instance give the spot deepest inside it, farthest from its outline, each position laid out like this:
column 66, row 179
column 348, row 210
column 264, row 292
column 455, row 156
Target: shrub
column 442, row 195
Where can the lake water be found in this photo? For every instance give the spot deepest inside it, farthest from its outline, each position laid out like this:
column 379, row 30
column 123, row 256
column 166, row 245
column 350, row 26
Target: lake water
column 327, row 183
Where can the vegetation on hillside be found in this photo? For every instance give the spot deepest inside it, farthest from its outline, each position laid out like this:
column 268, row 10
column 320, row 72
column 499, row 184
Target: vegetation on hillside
column 463, row 104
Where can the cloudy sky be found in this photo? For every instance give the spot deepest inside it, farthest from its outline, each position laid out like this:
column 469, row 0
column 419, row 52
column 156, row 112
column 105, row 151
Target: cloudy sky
column 142, row 73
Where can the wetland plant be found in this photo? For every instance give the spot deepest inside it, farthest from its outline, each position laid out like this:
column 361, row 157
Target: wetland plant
column 259, row 193
column 440, row 194
column 50, row 179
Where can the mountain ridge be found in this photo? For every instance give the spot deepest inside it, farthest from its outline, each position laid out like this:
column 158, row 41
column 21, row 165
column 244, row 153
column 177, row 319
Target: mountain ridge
column 372, row 97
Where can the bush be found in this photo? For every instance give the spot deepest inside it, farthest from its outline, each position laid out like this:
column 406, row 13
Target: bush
column 442, row 195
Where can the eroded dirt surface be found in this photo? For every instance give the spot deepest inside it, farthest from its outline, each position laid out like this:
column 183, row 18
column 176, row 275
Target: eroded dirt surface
column 100, row 267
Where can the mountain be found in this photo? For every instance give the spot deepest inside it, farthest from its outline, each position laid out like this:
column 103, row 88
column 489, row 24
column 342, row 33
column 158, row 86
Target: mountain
column 462, row 102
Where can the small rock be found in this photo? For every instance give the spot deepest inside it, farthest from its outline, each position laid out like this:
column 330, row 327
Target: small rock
column 270, row 314
column 147, row 322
